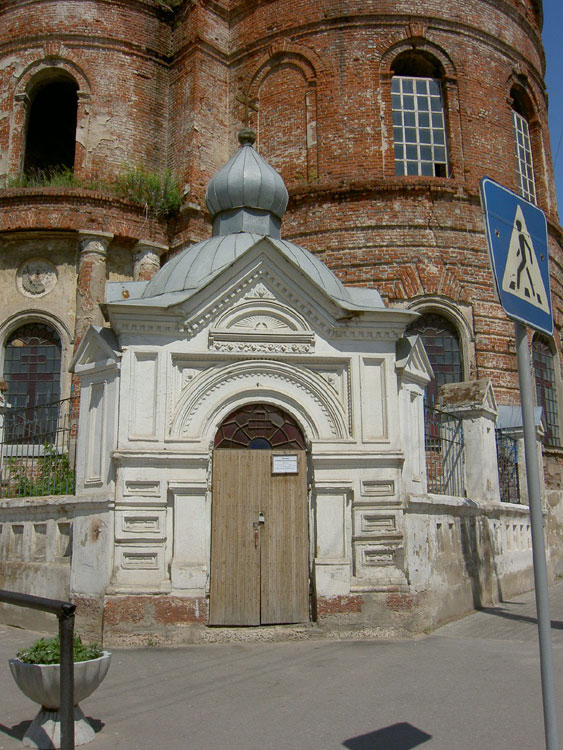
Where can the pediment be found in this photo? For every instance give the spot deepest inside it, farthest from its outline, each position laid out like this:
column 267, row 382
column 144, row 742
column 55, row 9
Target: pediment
column 260, row 322
column 412, row 360
column 98, row 350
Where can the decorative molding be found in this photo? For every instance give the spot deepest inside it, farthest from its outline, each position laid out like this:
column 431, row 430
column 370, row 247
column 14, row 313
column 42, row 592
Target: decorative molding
column 377, row 487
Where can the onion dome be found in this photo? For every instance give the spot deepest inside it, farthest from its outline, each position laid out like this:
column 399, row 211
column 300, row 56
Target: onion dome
column 247, row 194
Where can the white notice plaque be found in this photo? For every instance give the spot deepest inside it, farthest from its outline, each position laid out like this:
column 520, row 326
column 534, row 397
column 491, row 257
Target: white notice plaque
column 284, row 464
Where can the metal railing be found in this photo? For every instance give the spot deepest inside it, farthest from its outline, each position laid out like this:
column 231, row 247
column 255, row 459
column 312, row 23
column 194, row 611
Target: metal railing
column 37, row 449
column 65, row 614
column 507, row 457
column 445, row 452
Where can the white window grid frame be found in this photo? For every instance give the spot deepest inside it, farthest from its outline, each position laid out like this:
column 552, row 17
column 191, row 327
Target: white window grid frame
column 419, row 126
column 524, row 158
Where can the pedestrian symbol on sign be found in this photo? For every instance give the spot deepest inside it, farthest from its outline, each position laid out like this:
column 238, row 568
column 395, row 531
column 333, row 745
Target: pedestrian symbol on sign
column 522, row 275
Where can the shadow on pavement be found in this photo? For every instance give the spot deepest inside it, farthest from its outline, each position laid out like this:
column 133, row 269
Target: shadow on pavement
column 17, row 731
column 401, row 736
column 499, row 612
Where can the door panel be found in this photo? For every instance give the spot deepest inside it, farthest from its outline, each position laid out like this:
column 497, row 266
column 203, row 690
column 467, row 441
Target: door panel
column 267, row 583
column 284, row 547
column 235, row 560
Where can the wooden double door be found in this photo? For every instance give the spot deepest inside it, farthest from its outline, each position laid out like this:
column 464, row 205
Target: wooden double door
column 259, row 538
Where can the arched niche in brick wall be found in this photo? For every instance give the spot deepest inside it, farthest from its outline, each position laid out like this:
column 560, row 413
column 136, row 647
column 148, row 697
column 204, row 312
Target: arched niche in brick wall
column 285, row 87
column 36, row 75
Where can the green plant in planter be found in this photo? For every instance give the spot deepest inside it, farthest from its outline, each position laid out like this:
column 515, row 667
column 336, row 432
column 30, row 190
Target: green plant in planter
column 48, row 651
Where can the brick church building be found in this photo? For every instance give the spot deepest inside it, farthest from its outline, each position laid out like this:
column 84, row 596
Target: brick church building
column 381, row 117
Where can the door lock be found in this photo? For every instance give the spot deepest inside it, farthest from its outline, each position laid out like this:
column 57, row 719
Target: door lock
column 261, row 518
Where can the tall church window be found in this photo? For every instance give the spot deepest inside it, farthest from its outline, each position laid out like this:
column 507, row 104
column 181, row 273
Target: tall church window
column 419, row 124
column 524, row 160
column 51, row 128
column 441, row 341
column 546, row 388
column 32, row 366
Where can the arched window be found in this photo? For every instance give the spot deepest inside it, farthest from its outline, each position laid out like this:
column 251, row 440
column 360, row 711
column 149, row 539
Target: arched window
column 523, row 146
column 32, row 366
column 51, row 127
column 260, row 427
column 546, row 388
column 419, row 125
column 441, row 341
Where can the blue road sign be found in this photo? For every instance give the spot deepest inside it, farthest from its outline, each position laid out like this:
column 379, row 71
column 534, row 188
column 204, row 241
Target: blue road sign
column 517, row 242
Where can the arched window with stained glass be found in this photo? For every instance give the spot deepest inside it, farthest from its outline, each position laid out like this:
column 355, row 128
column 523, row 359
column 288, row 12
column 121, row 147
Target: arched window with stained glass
column 260, row 427
column 441, row 341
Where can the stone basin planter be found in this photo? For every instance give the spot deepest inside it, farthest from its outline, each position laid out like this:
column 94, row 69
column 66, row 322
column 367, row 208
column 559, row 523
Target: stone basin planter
column 41, row 683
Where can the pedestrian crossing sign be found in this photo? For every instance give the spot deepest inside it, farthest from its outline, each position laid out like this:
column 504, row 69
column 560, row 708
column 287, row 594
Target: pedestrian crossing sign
column 517, row 240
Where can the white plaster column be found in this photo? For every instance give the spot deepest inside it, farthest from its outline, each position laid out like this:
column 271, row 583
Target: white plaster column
column 474, row 402
column 91, row 281
column 146, row 259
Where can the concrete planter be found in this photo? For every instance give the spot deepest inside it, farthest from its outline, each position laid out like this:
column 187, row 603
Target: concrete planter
column 41, row 683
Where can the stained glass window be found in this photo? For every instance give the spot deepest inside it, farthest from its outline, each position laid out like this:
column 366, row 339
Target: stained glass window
column 259, row 427
column 441, row 341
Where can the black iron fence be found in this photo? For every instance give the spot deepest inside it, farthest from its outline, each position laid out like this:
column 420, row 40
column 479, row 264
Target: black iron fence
column 445, row 452
column 507, row 455
column 37, row 449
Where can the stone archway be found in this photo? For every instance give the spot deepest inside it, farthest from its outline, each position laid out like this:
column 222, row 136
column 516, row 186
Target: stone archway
column 259, row 520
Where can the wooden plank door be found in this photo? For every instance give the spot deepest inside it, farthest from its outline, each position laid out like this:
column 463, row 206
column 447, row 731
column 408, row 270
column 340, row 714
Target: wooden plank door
column 235, row 557
column 284, row 546
column 258, row 575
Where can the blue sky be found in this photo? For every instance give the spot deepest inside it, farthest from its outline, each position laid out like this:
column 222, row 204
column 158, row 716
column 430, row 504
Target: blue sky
column 553, row 43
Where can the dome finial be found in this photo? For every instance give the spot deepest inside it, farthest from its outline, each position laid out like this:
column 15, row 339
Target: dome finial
column 246, row 136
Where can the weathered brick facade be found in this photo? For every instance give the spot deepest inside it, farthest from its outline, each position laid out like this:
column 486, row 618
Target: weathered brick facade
column 158, row 86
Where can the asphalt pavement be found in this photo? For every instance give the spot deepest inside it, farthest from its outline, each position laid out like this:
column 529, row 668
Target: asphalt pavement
column 474, row 683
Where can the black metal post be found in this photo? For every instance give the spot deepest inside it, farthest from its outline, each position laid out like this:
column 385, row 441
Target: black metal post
column 66, row 638
column 65, row 613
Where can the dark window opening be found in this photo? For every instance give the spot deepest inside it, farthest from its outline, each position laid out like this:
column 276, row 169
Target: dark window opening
column 441, row 341
column 51, row 129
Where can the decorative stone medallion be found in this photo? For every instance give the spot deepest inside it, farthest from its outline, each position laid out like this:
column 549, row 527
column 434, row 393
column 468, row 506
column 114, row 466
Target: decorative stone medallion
column 36, row 277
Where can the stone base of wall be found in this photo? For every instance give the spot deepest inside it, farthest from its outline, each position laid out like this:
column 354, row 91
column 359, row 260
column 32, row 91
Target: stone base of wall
column 150, row 620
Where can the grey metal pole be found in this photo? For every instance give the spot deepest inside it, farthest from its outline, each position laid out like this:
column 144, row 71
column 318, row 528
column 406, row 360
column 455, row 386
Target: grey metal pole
column 538, row 545
column 66, row 637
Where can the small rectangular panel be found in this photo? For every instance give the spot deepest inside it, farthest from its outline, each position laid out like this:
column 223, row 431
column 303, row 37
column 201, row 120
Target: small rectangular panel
column 378, row 557
column 140, row 524
column 140, row 560
column 374, row 400
column 142, row 421
column 371, row 523
column 142, row 487
column 331, row 526
column 96, row 431
column 191, row 528
column 378, row 487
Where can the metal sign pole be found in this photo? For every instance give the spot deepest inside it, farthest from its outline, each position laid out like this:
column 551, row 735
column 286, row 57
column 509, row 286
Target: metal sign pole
column 538, row 545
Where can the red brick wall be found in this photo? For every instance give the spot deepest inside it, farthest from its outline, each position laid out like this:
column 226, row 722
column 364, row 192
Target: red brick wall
column 160, row 87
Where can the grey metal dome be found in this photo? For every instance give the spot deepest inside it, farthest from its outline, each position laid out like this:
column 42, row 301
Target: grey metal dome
column 247, row 194
column 196, row 266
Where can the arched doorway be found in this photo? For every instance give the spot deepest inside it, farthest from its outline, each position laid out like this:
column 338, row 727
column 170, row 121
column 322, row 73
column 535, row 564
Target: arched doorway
column 259, row 526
